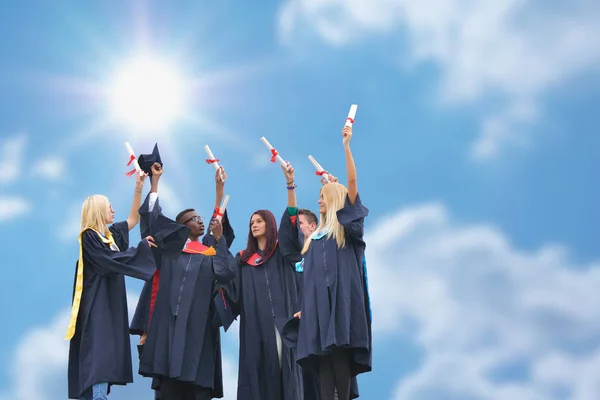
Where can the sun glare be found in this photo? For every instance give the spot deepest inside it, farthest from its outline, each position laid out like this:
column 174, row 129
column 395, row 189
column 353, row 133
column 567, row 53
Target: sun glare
column 147, row 94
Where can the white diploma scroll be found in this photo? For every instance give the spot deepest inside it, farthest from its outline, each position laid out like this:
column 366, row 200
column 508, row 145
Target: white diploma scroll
column 215, row 163
column 319, row 169
column 223, row 207
column 351, row 115
column 278, row 157
column 135, row 161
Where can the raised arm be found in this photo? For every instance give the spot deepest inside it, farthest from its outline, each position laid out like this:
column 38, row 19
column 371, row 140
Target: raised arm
column 134, row 216
column 291, row 185
column 220, row 186
column 350, row 167
column 228, row 233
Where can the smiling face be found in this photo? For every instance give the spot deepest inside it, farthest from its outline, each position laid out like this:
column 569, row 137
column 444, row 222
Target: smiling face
column 192, row 220
column 258, row 226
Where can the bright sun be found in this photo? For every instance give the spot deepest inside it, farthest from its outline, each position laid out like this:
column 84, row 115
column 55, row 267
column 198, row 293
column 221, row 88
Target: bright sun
column 147, row 94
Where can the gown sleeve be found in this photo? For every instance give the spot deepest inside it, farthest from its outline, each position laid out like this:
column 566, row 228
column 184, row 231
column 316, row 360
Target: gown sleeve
column 137, row 262
column 120, row 232
column 228, row 233
column 290, row 237
column 352, row 217
column 223, row 263
column 168, row 235
column 139, row 322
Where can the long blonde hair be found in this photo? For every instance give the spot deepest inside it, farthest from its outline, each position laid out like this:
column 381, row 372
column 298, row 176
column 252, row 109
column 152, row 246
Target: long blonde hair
column 93, row 214
column 334, row 196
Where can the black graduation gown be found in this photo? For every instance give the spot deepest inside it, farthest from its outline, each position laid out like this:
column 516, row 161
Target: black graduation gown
column 100, row 350
column 291, row 241
column 182, row 342
column 265, row 295
column 335, row 301
column 139, row 322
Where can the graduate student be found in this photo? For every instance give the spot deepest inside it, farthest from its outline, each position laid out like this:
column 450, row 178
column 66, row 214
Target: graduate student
column 292, row 237
column 99, row 349
column 334, row 337
column 265, row 294
column 182, row 349
column 139, row 322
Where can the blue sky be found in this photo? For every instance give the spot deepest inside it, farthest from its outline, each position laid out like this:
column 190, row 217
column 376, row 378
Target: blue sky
column 476, row 141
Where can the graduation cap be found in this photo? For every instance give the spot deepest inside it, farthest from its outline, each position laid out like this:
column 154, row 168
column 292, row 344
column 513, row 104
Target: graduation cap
column 146, row 161
column 224, row 314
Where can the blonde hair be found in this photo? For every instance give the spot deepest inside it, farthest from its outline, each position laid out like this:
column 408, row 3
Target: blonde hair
column 334, row 196
column 93, row 214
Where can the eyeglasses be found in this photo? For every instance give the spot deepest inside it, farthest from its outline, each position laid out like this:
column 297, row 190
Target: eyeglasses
column 195, row 218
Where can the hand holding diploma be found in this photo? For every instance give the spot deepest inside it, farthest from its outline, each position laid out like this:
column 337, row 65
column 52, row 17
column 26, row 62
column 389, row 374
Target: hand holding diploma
column 288, row 172
column 347, row 135
column 320, row 171
column 215, row 162
column 274, row 154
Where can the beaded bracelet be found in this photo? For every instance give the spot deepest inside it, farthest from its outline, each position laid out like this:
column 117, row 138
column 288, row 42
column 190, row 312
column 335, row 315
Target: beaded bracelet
column 292, row 187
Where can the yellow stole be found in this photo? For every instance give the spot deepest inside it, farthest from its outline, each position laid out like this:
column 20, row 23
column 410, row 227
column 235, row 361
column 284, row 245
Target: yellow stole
column 79, row 280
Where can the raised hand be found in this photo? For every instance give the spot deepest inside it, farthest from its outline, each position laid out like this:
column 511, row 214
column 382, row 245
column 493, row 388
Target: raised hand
column 139, row 179
column 218, row 172
column 332, row 179
column 288, row 171
column 347, row 134
column 157, row 170
column 216, row 228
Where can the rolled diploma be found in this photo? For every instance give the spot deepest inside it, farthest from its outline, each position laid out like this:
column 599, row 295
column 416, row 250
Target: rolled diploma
column 223, row 207
column 318, row 168
column 281, row 161
column 135, row 161
column 351, row 115
column 212, row 157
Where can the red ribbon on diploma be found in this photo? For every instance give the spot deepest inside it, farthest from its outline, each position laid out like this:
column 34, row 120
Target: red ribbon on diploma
column 130, row 172
column 274, row 155
column 217, row 213
column 214, row 160
column 321, row 173
column 131, row 158
column 350, row 119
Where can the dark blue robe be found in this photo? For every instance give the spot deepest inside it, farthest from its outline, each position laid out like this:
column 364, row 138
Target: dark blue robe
column 265, row 296
column 182, row 342
column 335, row 301
column 139, row 322
column 100, row 350
column 291, row 241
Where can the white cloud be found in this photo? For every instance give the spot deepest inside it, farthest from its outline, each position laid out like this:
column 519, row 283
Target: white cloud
column 169, row 201
column 512, row 50
column 70, row 228
column 51, row 168
column 475, row 305
column 11, row 158
column 43, row 354
column 12, row 207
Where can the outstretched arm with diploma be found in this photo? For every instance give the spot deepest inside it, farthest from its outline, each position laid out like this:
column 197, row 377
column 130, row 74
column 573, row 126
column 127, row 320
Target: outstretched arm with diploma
column 288, row 172
column 350, row 167
column 220, row 177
